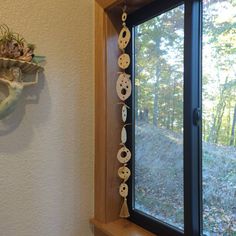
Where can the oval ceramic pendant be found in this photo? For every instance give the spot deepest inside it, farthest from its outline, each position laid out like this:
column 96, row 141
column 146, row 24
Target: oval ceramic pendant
column 124, row 38
column 123, row 190
column 124, row 173
column 124, row 113
column 123, row 135
column 124, row 16
column 124, row 155
column 123, row 86
column 124, row 61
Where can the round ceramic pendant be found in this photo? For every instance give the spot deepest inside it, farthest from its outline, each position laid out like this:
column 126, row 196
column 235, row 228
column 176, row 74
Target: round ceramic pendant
column 124, row 173
column 123, row 190
column 123, row 86
column 124, row 113
column 123, row 135
column 124, row 155
column 124, row 16
column 124, row 61
column 124, row 38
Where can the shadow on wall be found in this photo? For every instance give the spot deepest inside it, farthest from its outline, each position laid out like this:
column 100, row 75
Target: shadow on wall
column 31, row 95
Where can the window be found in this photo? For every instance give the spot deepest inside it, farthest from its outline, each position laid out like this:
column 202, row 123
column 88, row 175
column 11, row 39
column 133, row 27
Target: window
column 219, row 117
column 184, row 117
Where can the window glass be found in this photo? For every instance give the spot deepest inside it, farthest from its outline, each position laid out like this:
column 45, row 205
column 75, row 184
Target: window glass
column 159, row 44
column 219, row 117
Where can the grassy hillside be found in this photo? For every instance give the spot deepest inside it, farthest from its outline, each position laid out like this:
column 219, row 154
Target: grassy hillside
column 159, row 179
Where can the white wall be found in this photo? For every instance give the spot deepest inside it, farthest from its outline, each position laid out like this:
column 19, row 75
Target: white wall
column 47, row 144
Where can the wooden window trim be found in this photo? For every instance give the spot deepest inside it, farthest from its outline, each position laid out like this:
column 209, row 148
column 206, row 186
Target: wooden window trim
column 108, row 122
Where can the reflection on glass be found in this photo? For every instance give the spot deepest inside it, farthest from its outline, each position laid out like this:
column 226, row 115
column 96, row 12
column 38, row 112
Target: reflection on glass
column 159, row 117
column 219, row 117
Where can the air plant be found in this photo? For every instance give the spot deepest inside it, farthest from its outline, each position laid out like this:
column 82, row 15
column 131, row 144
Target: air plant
column 13, row 46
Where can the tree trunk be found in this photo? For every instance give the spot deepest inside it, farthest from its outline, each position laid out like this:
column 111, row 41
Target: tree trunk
column 155, row 105
column 173, row 106
column 137, row 107
column 217, row 120
column 233, row 128
column 156, row 88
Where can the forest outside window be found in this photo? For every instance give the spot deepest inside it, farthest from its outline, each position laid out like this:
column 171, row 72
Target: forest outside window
column 184, row 117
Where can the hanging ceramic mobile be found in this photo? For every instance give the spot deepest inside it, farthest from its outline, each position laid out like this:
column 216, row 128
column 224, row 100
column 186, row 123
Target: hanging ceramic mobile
column 123, row 89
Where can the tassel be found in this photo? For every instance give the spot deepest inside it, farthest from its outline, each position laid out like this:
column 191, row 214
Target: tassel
column 124, row 212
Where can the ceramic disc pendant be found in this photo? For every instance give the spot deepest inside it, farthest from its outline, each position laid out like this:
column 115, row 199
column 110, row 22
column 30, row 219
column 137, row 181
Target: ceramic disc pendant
column 124, row 173
column 123, row 135
column 123, row 190
column 124, row 155
column 123, row 86
column 124, row 61
column 124, row 113
column 124, row 16
column 124, row 38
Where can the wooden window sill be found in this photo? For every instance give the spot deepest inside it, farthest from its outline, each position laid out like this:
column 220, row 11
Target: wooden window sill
column 120, row 227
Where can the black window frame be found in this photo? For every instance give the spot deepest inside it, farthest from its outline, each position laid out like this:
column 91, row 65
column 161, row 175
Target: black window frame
column 192, row 118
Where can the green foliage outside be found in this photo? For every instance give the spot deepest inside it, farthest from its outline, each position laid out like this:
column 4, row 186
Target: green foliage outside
column 159, row 51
